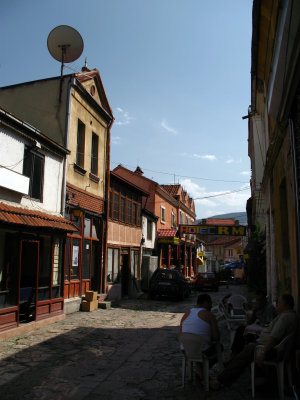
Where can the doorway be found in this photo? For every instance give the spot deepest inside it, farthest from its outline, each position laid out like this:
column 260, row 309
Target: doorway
column 28, row 280
column 125, row 274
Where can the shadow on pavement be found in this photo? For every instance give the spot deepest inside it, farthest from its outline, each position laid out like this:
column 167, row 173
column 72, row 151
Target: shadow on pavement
column 95, row 363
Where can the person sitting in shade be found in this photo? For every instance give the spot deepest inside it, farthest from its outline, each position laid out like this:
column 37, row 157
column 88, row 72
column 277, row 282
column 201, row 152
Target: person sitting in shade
column 284, row 324
column 262, row 314
column 201, row 321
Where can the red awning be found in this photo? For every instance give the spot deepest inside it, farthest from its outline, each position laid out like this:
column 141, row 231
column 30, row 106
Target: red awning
column 24, row 216
column 161, row 233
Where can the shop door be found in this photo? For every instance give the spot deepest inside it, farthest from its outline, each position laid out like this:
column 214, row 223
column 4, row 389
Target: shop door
column 125, row 274
column 29, row 266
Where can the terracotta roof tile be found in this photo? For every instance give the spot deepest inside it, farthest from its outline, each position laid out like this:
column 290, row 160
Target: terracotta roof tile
column 166, row 233
column 224, row 241
column 84, row 200
column 23, row 216
column 171, row 189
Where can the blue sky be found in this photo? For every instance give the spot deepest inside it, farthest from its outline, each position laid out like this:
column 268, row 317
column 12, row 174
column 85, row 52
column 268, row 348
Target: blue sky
column 176, row 74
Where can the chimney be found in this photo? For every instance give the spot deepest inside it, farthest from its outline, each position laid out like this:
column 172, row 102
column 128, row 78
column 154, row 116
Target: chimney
column 138, row 171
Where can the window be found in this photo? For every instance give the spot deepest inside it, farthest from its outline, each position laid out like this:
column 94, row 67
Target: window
column 33, row 167
column 134, row 211
column 94, row 154
column 112, row 271
column 80, row 144
column 149, row 230
column 163, row 214
column 129, row 219
column 124, row 206
column 122, row 210
column 173, row 219
column 116, row 206
column 181, row 217
column 134, row 262
column 187, row 221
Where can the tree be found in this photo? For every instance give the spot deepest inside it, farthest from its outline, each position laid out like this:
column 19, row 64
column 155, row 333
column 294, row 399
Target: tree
column 256, row 261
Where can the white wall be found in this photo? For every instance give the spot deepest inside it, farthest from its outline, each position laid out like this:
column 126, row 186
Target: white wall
column 148, row 243
column 12, row 156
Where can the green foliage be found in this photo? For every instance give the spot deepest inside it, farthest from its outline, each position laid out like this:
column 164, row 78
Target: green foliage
column 256, row 263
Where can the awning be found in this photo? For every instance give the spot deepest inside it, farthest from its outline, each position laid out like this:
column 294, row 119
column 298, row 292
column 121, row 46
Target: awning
column 170, row 233
column 168, row 236
column 11, row 215
column 233, row 264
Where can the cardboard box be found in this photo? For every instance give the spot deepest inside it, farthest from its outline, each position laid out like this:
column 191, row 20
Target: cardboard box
column 90, row 295
column 89, row 305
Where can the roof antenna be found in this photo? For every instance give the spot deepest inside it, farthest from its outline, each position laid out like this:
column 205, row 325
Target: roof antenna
column 65, row 44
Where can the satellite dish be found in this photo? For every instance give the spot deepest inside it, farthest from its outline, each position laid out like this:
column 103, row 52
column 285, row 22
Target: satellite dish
column 65, row 44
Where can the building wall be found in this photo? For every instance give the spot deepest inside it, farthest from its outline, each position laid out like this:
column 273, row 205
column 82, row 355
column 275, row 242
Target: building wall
column 79, row 109
column 38, row 104
column 169, row 208
column 12, row 156
column 149, row 243
column 123, row 235
column 282, row 205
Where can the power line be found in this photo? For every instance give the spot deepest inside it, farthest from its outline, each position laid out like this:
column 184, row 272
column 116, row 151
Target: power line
column 221, row 194
column 180, row 176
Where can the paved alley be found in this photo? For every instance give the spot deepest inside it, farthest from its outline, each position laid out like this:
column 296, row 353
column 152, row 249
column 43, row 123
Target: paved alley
column 126, row 352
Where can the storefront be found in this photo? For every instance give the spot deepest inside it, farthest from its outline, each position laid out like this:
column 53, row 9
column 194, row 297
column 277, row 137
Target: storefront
column 31, row 265
column 176, row 252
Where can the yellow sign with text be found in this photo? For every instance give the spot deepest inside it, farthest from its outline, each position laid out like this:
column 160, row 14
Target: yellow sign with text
column 238, row 230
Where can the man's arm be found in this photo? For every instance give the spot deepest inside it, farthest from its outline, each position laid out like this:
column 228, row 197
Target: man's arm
column 271, row 342
column 183, row 318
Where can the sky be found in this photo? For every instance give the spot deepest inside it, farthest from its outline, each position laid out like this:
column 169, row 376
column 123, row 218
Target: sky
column 177, row 77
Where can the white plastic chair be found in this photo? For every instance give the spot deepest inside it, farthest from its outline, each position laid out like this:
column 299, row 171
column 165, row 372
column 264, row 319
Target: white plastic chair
column 192, row 351
column 283, row 356
column 238, row 304
column 232, row 323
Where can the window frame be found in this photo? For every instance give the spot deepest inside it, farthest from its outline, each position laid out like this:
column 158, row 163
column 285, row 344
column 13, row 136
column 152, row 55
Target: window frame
column 132, row 208
column 28, row 152
column 94, row 154
column 173, row 219
column 163, row 214
column 80, row 144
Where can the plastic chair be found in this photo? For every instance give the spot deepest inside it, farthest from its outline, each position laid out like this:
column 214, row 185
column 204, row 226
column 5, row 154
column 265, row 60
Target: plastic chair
column 283, row 353
column 232, row 322
column 192, row 351
column 238, row 304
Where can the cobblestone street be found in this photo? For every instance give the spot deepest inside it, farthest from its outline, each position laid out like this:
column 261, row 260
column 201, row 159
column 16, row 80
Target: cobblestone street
column 126, row 352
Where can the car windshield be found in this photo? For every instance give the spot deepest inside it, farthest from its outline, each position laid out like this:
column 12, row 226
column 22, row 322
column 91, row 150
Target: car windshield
column 166, row 275
column 206, row 276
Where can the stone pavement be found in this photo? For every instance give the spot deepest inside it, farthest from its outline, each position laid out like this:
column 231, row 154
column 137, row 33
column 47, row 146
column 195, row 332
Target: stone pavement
column 126, row 352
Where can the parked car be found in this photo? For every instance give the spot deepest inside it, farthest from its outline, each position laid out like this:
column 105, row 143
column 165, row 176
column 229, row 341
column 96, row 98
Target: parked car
column 169, row 282
column 206, row 280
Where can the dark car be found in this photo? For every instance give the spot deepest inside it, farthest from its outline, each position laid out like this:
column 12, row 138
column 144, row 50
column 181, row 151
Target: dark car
column 206, row 280
column 168, row 282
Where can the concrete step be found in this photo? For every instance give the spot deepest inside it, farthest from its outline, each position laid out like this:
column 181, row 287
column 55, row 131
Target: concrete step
column 104, row 304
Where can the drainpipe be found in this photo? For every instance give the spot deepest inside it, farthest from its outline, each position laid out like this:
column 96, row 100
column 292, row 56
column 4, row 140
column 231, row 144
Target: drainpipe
column 293, row 149
column 66, row 144
column 105, row 224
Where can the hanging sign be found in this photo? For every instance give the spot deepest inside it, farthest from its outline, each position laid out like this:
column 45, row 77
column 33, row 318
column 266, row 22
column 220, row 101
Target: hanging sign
column 236, row 230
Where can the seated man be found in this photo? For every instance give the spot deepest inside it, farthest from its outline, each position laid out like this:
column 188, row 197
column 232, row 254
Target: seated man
column 262, row 313
column 201, row 321
column 284, row 324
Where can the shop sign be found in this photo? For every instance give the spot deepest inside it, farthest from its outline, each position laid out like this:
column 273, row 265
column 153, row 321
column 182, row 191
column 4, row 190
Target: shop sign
column 174, row 240
column 237, row 230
